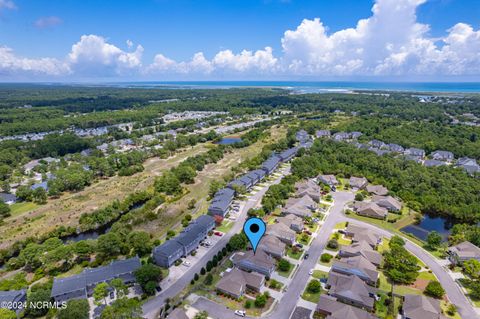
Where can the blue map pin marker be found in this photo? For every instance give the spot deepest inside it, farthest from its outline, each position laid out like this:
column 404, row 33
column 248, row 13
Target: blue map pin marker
column 254, row 228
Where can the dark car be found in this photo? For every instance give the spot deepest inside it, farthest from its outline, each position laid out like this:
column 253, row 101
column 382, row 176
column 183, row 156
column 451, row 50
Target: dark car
column 306, row 256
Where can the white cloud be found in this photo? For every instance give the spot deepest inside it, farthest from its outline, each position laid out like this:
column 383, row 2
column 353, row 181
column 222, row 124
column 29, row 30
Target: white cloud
column 11, row 64
column 390, row 42
column 94, row 55
column 7, row 4
column 47, row 22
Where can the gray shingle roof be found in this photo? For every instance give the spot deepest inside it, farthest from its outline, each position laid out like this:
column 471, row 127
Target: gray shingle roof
column 168, row 248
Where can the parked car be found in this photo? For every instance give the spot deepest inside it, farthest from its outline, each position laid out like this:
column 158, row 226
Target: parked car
column 207, row 244
column 308, row 232
column 299, row 246
column 217, row 233
column 306, row 256
column 310, row 272
column 240, row 313
column 187, row 263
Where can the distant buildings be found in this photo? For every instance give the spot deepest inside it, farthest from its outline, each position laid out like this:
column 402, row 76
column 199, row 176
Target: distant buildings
column 82, row 285
column 8, row 199
column 377, row 189
column 358, row 182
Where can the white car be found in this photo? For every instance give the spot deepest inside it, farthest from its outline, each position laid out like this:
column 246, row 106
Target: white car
column 310, row 272
column 186, row 263
column 240, row 313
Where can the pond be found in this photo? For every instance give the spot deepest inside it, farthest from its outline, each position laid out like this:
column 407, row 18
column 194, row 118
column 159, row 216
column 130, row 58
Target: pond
column 230, row 140
column 428, row 224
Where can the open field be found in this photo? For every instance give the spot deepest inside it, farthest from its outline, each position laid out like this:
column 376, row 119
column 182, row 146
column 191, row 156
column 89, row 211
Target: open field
column 172, row 213
column 67, row 209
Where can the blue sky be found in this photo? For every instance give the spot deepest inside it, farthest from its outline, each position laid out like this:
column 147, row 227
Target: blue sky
column 404, row 39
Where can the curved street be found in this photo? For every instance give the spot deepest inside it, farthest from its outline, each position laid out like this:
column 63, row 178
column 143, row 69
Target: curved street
column 287, row 304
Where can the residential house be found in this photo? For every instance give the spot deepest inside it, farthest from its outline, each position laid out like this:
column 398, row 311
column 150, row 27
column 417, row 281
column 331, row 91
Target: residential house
column 207, row 223
column 288, row 154
column 82, row 285
column 444, row 156
column 292, row 221
column 221, row 202
column 351, row 290
column 377, row 144
column 468, row 164
column 359, row 266
column 302, row 135
column 463, row 252
column 190, row 238
column 388, row 202
column 355, row 135
column 359, row 234
column 421, row 307
column 282, row 232
column 358, row 182
column 167, row 253
column 13, row 300
column 328, row 180
column 43, row 185
column 8, row 199
column 416, row 152
column 303, row 206
column 272, row 245
column 395, row 148
column 377, row 190
column 322, row 133
column 433, row 163
column 237, row 281
column 361, row 248
column 329, row 307
column 379, row 152
column 259, row 262
column 177, row 313
column 308, row 187
column 370, row 210
column 27, row 168
column 341, row 136
column 271, row 164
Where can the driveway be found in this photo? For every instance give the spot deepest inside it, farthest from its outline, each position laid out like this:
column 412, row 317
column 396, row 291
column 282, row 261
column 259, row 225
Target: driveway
column 152, row 307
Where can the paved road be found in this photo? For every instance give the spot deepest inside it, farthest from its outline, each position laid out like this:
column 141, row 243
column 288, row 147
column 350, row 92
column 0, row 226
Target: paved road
column 287, row 304
column 455, row 295
column 152, row 307
column 289, row 301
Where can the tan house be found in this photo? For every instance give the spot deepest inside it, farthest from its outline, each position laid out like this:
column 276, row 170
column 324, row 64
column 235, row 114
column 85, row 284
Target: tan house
column 272, row 246
column 358, row 266
column 330, row 308
column 359, row 233
column 330, row 180
column 370, row 210
column 377, row 190
column 388, row 202
column 351, row 290
column 358, row 182
column 463, row 252
column 294, row 222
column 282, row 232
column 236, row 282
column 364, row 249
column 308, row 187
column 421, row 307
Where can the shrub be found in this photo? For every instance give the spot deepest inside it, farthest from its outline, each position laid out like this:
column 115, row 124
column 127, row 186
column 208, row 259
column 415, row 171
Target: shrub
column 332, row 244
column 314, row 286
column 284, row 265
column 248, row 304
column 325, row 258
column 434, row 289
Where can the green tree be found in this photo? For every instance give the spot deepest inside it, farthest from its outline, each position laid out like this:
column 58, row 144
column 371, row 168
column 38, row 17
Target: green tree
column 140, row 242
column 124, row 308
column 24, row 192
column 38, row 296
column 434, row 289
column 148, row 273
column 201, row 315
column 120, row 288
column 208, row 279
column 400, row 266
column 109, row 244
column 7, row 314
column 283, row 265
column 76, row 309
column 39, row 195
column 238, row 242
column 396, row 241
column 100, row 292
column 4, row 210
column 434, row 239
column 314, row 286
column 472, row 268
column 359, row 197
column 260, row 301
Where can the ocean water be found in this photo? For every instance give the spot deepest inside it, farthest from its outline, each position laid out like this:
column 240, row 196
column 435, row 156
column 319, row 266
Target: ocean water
column 315, row 87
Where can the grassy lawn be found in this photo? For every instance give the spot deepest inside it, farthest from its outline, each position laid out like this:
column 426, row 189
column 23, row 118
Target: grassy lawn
column 341, row 240
column 341, row 225
column 286, row 274
column 225, row 226
column 318, row 274
column 427, row 275
column 20, row 208
column 304, row 239
column 386, row 287
column 444, row 306
column 312, row 297
column 295, row 255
